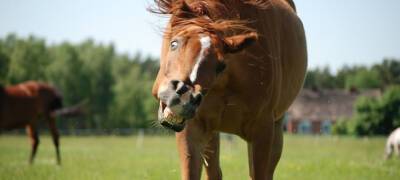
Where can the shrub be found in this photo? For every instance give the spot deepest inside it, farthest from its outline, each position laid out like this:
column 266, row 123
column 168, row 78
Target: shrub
column 378, row 116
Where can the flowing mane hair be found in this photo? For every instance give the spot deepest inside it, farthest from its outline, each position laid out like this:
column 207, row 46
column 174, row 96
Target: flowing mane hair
column 212, row 16
column 171, row 6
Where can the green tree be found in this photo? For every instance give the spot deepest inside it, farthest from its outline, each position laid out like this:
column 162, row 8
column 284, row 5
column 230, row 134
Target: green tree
column 133, row 105
column 364, row 78
column 98, row 61
column 378, row 116
column 320, row 78
column 29, row 59
column 4, row 64
column 67, row 73
column 389, row 71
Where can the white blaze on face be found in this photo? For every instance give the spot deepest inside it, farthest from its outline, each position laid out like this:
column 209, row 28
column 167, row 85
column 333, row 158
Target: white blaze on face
column 205, row 42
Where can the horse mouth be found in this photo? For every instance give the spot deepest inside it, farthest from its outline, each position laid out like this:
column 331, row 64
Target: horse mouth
column 169, row 119
column 174, row 127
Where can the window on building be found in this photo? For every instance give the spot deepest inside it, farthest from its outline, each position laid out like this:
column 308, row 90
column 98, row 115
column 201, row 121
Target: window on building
column 304, row 127
column 326, row 127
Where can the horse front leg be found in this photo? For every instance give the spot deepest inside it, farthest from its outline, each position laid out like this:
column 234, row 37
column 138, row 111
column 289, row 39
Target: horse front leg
column 190, row 147
column 277, row 146
column 261, row 151
column 211, row 155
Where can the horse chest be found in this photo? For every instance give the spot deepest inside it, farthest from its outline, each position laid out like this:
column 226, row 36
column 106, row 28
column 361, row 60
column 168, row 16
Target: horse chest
column 231, row 114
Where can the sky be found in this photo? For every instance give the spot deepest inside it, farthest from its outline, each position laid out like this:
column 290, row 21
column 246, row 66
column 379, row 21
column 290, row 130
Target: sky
column 339, row 32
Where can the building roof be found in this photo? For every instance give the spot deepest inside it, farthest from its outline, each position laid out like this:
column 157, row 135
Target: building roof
column 325, row 104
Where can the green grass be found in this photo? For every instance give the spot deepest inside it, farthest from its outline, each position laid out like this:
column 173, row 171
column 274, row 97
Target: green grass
column 102, row 157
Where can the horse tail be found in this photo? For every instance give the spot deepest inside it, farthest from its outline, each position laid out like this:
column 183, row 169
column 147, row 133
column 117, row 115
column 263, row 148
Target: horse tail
column 72, row 111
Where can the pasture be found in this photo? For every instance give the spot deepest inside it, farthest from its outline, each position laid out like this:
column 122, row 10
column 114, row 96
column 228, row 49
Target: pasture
column 115, row 157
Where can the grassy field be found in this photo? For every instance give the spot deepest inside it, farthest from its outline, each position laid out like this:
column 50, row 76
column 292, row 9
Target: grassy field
column 112, row 157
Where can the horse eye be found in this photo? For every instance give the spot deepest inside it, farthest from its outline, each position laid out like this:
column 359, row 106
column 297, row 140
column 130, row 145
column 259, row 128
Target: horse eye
column 174, row 44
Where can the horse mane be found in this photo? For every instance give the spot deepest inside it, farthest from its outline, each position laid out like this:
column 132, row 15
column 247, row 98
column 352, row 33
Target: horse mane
column 171, row 6
column 212, row 16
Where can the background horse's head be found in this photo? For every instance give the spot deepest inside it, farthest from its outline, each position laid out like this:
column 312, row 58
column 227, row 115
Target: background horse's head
column 192, row 57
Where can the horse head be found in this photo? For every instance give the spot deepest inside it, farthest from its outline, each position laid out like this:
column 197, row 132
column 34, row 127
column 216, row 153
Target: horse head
column 192, row 58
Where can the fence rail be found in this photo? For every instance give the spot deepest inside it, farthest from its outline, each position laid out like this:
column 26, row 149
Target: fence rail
column 95, row 132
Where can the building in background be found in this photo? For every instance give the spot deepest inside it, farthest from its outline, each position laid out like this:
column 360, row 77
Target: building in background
column 315, row 111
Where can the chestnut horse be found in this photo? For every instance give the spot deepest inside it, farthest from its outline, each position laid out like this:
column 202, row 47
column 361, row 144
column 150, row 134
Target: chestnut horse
column 230, row 66
column 23, row 105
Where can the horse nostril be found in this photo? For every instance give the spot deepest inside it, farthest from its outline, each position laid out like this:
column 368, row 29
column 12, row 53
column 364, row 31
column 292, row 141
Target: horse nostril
column 182, row 89
column 196, row 99
column 174, row 84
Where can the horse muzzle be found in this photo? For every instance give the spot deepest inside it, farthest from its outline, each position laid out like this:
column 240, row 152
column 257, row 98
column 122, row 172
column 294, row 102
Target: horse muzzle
column 178, row 104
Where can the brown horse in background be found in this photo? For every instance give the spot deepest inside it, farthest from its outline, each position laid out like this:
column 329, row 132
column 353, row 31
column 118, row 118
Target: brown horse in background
column 24, row 105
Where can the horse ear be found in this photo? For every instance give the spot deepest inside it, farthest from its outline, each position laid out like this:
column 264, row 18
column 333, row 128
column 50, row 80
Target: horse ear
column 237, row 43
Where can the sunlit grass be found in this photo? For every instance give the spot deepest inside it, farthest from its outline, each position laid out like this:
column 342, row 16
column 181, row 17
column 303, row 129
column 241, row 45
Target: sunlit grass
column 112, row 157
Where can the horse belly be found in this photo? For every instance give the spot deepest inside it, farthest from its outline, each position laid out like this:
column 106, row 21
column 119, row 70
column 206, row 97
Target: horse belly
column 17, row 113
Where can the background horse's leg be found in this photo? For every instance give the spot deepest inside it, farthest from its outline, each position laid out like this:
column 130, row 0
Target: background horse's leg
column 34, row 138
column 190, row 146
column 397, row 149
column 389, row 150
column 211, row 154
column 56, row 138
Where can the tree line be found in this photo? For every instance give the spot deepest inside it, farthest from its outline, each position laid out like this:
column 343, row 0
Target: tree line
column 378, row 76
column 116, row 88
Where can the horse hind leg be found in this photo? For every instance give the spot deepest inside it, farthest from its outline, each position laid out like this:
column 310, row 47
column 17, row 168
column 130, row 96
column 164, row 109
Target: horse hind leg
column 34, row 138
column 56, row 138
